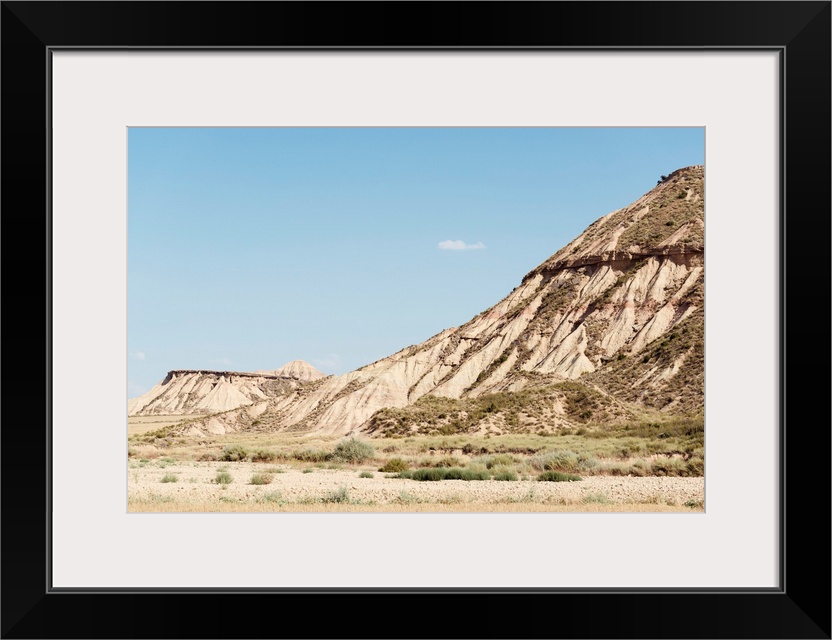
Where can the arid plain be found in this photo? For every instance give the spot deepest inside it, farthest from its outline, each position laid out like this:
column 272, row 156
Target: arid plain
column 497, row 474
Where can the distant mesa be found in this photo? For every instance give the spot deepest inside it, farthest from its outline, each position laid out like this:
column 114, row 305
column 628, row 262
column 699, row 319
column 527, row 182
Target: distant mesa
column 607, row 329
column 195, row 391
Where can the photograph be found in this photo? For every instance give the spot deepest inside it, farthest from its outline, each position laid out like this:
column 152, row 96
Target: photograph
column 416, row 319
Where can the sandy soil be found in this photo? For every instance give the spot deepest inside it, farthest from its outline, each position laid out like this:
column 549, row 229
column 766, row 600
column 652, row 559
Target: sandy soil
column 292, row 489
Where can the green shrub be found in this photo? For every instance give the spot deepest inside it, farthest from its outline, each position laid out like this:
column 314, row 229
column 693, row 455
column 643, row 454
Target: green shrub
column 499, row 460
column 233, row 453
column 563, row 460
column 353, row 451
column 310, row 455
column 446, row 461
column 169, row 477
column 596, row 498
column 308, row 470
column 474, row 474
column 261, row 478
column 394, row 465
column 263, row 455
column 469, row 449
column 669, row 467
column 557, row 476
column 407, row 498
column 223, row 477
column 435, row 474
column 617, row 469
column 428, row 475
column 505, row 476
column 365, row 474
column 696, row 466
column 339, row 496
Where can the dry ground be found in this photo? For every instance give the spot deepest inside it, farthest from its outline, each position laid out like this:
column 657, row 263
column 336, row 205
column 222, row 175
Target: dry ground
column 321, row 489
column 181, row 475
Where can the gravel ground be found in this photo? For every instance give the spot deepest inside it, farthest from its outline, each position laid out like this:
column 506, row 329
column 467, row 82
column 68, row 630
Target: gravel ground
column 196, row 484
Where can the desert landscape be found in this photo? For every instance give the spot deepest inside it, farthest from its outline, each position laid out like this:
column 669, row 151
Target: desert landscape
column 582, row 390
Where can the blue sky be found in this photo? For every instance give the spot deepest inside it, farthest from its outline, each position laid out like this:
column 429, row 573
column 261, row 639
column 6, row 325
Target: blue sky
column 248, row 248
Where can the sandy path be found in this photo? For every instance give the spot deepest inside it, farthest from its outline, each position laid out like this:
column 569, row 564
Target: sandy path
column 195, row 485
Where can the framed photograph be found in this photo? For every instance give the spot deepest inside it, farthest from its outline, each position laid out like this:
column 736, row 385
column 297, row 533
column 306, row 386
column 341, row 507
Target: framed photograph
column 112, row 109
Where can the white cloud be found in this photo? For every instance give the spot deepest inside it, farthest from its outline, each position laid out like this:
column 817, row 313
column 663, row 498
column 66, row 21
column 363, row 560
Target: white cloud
column 330, row 364
column 138, row 355
column 459, row 245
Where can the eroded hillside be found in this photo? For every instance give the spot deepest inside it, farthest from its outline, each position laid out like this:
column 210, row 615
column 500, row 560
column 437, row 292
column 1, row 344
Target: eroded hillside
column 611, row 327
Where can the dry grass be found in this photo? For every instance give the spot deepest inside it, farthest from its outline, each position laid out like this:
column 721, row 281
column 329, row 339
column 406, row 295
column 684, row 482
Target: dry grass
column 606, row 455
column 673, row 447
column 200, row 488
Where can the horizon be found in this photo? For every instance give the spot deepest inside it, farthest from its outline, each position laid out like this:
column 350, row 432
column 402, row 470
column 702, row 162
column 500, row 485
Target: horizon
column 249, row 248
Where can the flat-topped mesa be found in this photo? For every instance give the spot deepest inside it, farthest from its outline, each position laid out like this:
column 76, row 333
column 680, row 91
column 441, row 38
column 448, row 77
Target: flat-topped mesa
column 226, row 374
column 195, row 391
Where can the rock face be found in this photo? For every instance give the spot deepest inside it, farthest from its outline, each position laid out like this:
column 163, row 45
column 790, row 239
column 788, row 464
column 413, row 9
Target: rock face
column 619, row 310
column 194, row 392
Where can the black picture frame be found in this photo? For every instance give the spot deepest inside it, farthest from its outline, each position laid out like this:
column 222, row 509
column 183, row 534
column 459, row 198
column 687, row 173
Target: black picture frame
column 799, row 608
